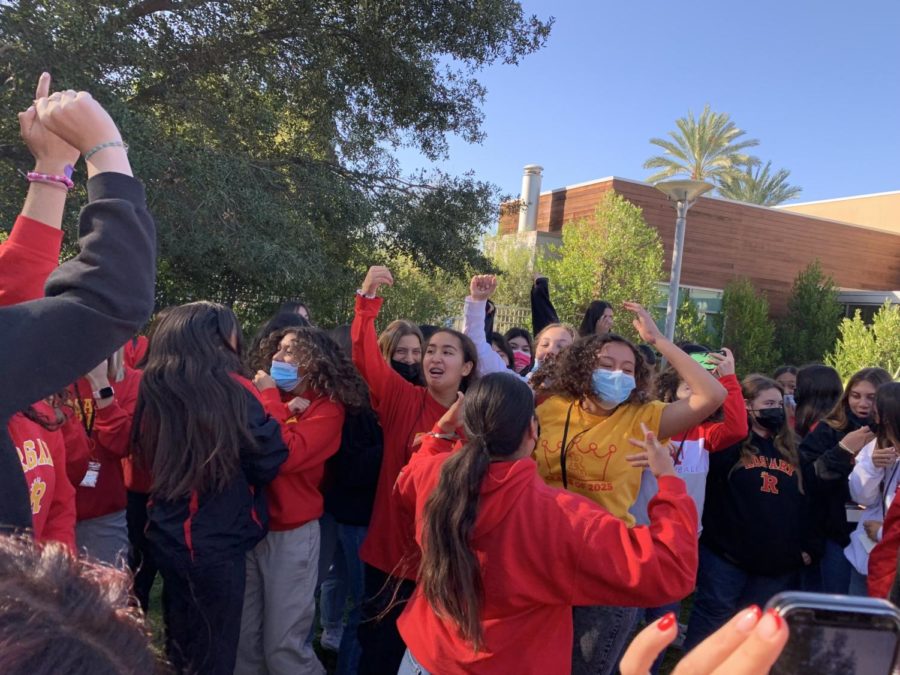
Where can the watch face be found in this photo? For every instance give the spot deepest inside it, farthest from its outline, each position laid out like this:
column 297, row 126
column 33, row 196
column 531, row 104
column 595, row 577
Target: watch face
column 106, row 392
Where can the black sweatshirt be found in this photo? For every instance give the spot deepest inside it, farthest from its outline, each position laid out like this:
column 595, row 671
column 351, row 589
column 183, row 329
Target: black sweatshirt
column 351, row 474
column 542, row 311
column 833, row 466
column 94, row 303
column 755, row 516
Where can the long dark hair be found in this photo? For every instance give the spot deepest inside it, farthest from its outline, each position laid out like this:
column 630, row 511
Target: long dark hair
column 497, row 340
column 191, row 418
column 496, row 415
column 818, row 390
column 839, row 418
column 255, row 360
column 325, row 367
column 521, row 333
column 592, row 315
column 887, row 404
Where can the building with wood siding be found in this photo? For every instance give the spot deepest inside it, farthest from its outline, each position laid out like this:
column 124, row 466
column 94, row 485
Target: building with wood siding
column 727, row 239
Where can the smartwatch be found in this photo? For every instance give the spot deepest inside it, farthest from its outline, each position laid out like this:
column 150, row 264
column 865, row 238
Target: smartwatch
column 103, row 394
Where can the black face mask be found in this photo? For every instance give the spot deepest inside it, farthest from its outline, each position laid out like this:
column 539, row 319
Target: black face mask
column 411, row 372
column 770, row 419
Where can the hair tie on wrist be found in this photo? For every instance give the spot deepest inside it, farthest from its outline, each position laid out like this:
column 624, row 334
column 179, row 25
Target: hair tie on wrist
column 102, row 146
column 51, row 179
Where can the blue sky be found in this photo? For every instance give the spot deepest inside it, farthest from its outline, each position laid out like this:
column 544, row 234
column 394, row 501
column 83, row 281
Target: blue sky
column 816, row 81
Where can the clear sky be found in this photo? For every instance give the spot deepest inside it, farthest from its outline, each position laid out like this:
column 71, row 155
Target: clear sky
column 816, row 81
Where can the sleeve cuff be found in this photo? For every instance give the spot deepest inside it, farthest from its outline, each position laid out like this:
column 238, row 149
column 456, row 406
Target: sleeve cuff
column 270, row 397
column 366, row 305
column 111, row 185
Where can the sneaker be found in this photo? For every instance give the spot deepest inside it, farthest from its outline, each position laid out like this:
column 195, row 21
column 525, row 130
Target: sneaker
column 331, row 641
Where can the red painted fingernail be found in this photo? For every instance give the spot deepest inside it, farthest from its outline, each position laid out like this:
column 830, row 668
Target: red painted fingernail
column 666, row 622
column 775, row 615
column 756, row 610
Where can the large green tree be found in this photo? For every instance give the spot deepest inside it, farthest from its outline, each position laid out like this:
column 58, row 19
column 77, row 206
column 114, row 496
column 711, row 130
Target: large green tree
column 265, row 129
column 614, row 256
column 709, row 147
column 756, row 185
column 810, row 327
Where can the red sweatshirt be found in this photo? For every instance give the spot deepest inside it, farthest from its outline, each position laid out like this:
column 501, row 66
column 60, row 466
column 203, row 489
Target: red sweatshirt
column 43, row 456
column 135, row 350
column 541, row 551
column 311, row 438
column 405, row 411
column 109, row 438
column 883, row 558
column 26, row 260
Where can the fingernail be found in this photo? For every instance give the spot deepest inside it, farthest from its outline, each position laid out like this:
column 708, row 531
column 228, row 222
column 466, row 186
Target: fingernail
column 666, row 622
column 749, row 619
column 770, row 625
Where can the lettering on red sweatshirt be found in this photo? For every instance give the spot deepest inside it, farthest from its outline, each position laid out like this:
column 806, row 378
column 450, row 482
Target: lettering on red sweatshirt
column 43, row 456
column 541, row 551
column 405, row 412
column 311, row 438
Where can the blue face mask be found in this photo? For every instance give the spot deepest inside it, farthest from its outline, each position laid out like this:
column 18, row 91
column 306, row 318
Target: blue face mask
column 285, row 375
column 613, row 387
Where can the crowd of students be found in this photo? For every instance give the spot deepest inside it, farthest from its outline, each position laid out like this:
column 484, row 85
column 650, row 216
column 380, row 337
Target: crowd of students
column 451, row 501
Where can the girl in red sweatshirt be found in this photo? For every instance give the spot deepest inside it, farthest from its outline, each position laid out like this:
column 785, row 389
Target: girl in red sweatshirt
column 309, row 384
column 406, row 412
column 505, row 556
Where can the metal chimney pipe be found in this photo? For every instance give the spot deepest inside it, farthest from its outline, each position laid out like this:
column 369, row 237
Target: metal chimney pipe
column 531, row 195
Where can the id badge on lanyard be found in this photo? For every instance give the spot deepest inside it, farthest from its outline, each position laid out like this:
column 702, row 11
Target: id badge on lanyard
column 92, row 475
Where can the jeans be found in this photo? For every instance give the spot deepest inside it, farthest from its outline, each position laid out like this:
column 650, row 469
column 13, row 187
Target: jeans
column 859, row 584
column 835, row 569
column 351, row 538
column 723, row 588
column 104, row 538
column 383, row 602
column 601, row 635
column 410, row 666
column 333, row 590
column 202, row 612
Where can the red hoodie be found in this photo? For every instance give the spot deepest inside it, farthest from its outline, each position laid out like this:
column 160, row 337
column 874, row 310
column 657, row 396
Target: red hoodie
column 43, row 456
column 312, row 437
column 543, row 550
column 883, row 558
column 26, row 260
column 109, row 438
column 135, row 350
column 405, row 411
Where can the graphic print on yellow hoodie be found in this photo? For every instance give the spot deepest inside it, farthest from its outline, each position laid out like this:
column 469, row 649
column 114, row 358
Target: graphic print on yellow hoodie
column 597, row 447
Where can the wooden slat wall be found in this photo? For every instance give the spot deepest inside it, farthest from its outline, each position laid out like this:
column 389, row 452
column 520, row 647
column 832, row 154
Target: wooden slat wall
column 725, row 240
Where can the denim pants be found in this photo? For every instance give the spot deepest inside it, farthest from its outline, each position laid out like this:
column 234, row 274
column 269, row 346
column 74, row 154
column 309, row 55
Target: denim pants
column 601, row 635
column 835, row 569
column 350, row 538
column 859, row 583
column 409, row 666
column 723, row 588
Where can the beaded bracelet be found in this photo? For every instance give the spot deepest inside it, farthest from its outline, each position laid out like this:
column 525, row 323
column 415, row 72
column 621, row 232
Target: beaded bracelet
column 36, row 177
column 102, row 146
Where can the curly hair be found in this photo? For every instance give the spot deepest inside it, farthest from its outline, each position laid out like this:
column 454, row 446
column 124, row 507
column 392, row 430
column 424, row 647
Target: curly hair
column 570, row 374
column 323, row 363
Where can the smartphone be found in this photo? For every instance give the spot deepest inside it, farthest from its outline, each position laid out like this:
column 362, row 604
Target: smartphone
column 703, row 359
column 837, row 634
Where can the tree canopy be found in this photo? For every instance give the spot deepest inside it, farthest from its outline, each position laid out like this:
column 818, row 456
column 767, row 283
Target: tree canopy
column 265, row 129
column 756, row 185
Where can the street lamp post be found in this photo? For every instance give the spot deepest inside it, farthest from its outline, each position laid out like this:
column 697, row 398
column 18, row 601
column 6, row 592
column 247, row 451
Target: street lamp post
column 684, row 193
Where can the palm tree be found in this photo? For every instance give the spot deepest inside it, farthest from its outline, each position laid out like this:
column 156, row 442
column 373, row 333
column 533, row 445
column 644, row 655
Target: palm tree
column 705, row 148
column 756, row 186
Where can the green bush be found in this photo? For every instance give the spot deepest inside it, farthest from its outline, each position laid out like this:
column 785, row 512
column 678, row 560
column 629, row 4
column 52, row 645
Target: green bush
column 861, row 346
column 810, row 328
column 691, row 325
column 746, row 329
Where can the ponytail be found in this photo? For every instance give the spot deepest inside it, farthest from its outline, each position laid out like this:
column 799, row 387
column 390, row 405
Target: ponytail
column 450, row 574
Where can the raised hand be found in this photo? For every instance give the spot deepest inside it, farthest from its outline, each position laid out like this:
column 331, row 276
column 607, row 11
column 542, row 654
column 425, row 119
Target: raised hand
column 452, row 419
column 263, row 380
column 856, row 440
column 724, row 363
column 51, row 153
column 77, row 119
column 376, row 277
column 482, row 287
column 644, row 323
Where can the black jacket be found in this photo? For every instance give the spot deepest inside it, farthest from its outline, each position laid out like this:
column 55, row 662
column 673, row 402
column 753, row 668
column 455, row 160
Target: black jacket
column 209, row 528
column 832, row 465
column 755, row 516
column 351, row 474
column 94, row 303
